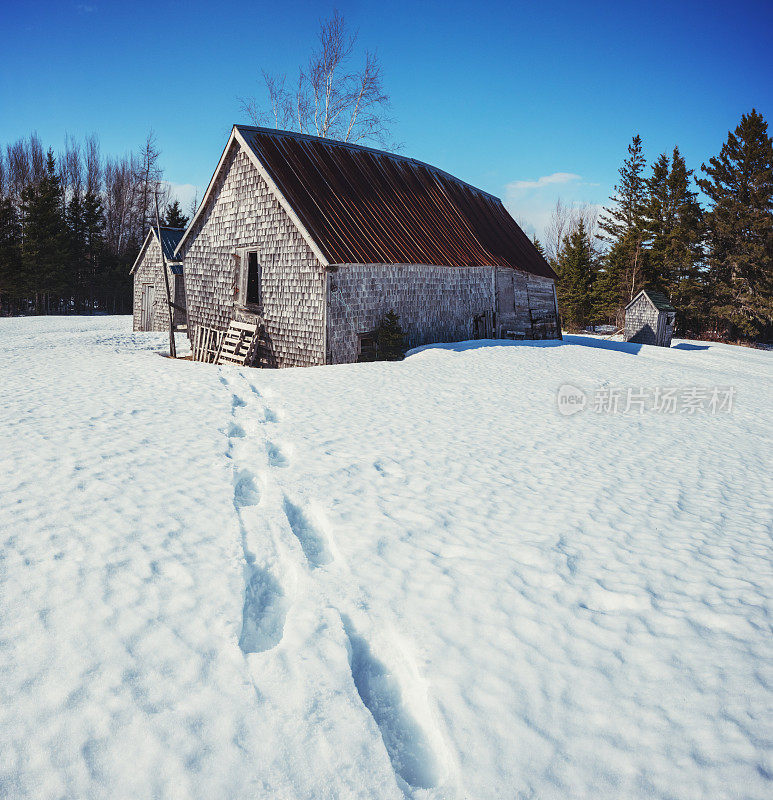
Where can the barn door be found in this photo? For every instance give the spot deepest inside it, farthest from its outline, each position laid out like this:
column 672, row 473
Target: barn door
column 505, row 302
column 146, row 321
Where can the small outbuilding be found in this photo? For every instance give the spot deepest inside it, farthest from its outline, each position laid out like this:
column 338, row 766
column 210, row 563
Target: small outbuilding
column 649, row 319
column 150, row 308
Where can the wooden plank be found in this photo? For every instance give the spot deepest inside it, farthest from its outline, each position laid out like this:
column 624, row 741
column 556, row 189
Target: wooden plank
column 250, row 327
column 237, row 344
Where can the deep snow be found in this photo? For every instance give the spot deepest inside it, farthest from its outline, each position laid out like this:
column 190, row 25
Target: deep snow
column 380, row 580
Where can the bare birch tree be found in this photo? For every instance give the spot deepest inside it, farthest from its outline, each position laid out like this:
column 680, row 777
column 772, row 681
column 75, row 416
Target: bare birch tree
column 70, row 167
column 93, row 164
column 19, row 170
column 330, row 99
column 564, row 220
column 147, row 175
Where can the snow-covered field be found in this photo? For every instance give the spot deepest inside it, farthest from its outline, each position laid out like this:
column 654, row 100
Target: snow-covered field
column 380, row 580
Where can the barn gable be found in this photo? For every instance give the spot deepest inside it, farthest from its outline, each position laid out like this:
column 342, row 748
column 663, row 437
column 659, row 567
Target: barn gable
column 170, row 238
column 357, row 205
column 243, row 212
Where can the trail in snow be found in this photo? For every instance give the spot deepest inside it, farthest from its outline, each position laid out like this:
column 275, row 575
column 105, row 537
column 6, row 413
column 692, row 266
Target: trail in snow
column 265, row 601
column 266, row 605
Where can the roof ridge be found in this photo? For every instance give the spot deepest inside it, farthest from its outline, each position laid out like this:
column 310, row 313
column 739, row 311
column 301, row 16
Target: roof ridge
column 281, row 133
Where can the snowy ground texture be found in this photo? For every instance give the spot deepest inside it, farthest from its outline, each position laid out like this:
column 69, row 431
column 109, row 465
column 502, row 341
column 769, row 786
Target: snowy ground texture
column 380, row 580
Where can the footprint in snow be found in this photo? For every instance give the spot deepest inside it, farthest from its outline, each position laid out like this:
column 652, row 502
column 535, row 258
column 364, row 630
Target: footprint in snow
column 312, row 541
column 276, row 457
column 245, row 490
column 236, row 431
column 405, row 742
column 264, row 613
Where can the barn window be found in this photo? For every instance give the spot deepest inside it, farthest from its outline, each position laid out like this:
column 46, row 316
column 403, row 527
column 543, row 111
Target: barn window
column 368, row 347
column 250, row 278
column 253, row 279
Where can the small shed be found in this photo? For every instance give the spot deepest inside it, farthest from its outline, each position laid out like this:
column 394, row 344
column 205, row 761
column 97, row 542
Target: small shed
column 150, row 308
column 649, row 319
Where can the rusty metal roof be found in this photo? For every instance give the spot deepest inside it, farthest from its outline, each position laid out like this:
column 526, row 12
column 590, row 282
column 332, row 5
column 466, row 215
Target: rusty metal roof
column 365, row 206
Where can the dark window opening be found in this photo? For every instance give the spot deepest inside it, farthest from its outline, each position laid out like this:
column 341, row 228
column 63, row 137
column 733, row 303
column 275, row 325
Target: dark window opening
column 368, row 347
column 253, row 280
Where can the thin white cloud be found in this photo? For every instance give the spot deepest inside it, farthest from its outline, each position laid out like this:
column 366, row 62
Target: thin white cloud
column 545, row 180
column 531, row 202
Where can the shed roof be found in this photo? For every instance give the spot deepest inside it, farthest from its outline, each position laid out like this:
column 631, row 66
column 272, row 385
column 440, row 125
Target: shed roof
column 658, row 299
column 170, row 238
column 364, row 206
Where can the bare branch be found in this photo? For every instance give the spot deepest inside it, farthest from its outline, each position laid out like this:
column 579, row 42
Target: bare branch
column 329, row 99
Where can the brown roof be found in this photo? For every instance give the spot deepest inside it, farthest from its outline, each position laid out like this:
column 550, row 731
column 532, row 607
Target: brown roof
column 365, row 206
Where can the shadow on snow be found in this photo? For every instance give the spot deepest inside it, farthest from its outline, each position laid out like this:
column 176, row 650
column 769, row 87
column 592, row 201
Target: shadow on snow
column 569, row 340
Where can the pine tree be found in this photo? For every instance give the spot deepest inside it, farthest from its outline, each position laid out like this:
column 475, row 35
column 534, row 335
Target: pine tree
column 44, row 245
column 659, row 223
column 93, row 246
column 11, row 276
column 540, row 249
column 75, row 254
column 174, row 217
column 675, row 230
column 739, row 184
column 623, row 230
column 390, row 338
column 575, row 279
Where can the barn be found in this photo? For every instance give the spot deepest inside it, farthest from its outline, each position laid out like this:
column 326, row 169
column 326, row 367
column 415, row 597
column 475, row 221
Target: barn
column 316, row 240
column 649, row 319
column 150, row 302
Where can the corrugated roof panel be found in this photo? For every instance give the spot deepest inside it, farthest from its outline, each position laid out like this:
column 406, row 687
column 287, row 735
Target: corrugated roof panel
column 366, row 206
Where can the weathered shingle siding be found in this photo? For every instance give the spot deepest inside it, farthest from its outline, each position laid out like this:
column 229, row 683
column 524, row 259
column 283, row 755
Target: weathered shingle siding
column 149, row 271
column 435, row 304
column 641, row 322
column 243, row 212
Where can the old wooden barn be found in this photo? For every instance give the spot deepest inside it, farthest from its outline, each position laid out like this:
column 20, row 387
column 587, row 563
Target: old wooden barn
column 315, row 240
column 150, row 301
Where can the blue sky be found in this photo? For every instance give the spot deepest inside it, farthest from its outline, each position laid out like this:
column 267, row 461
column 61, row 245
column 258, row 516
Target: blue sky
column 526, row 100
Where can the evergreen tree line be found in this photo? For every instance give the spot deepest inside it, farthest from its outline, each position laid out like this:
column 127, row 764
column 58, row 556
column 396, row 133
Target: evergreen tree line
column 71, row 225
column 714, row 262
